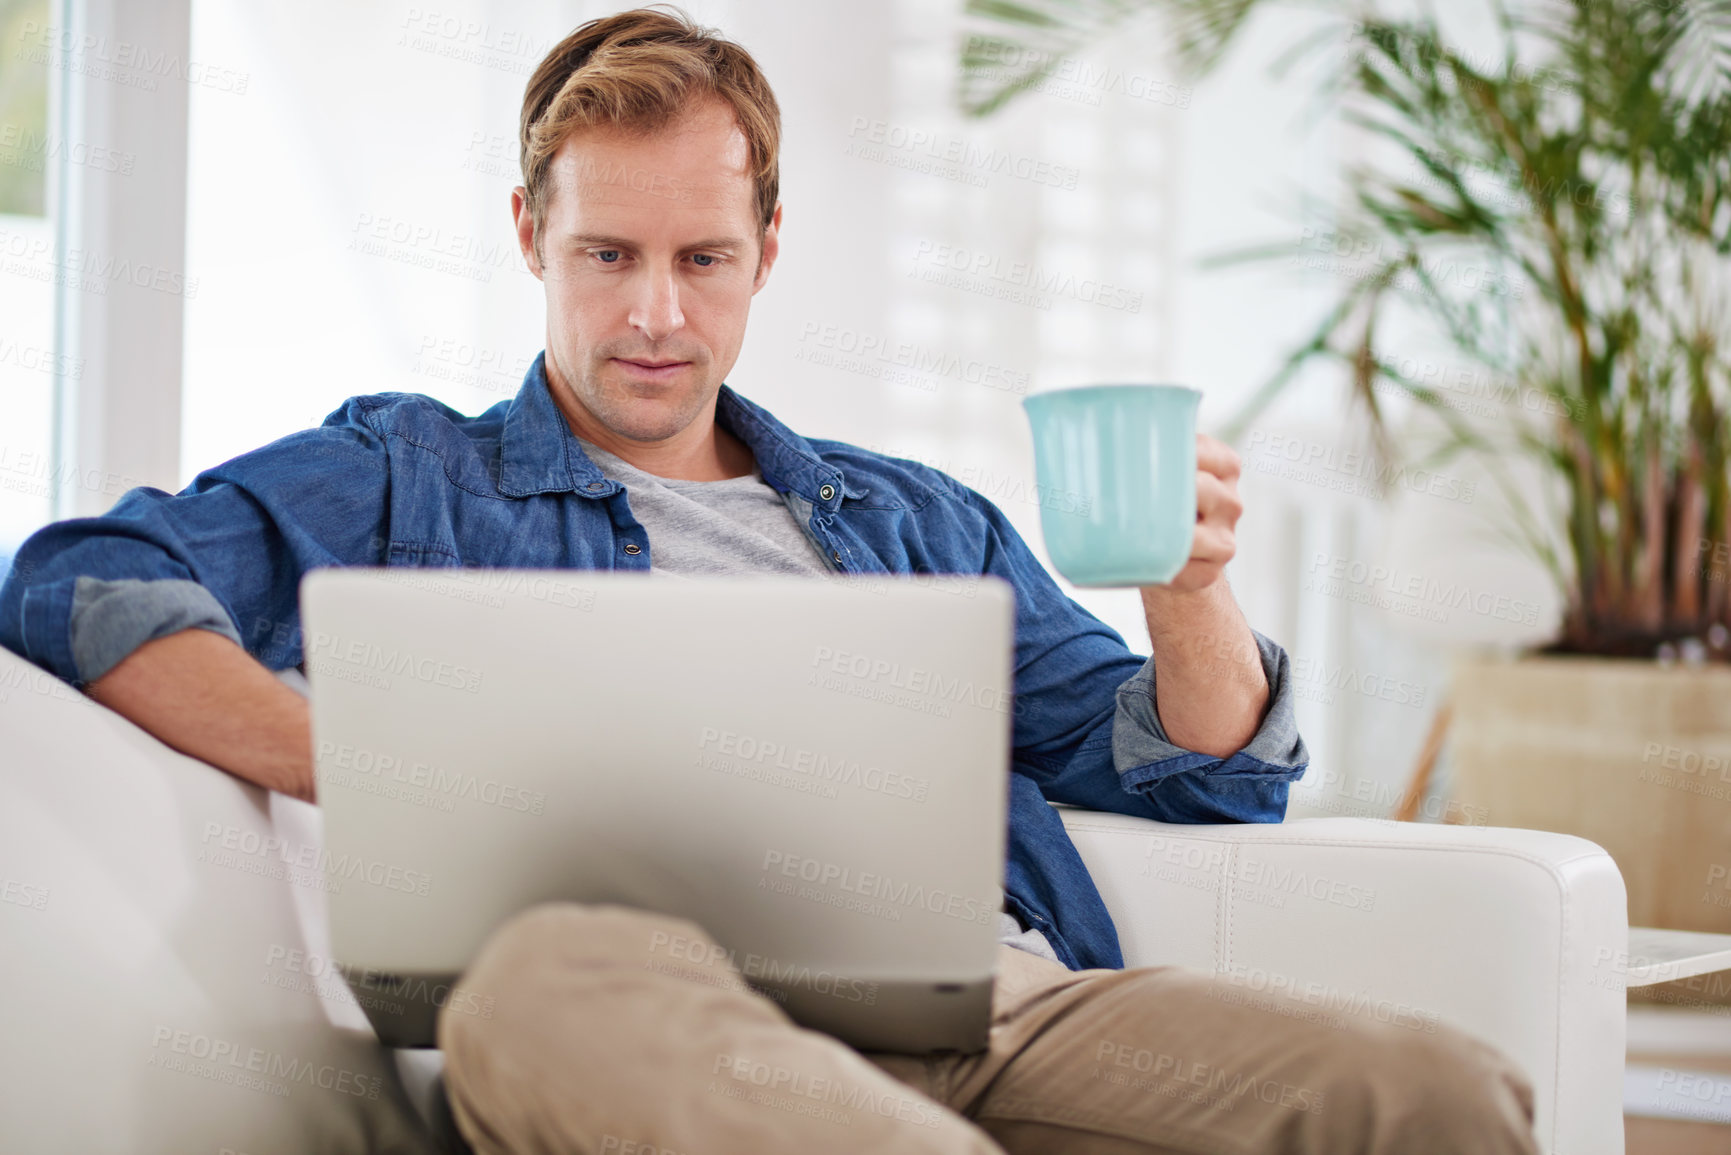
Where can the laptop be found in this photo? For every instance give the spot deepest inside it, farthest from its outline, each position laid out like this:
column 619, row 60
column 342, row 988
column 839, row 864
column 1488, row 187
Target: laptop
column 813, row 770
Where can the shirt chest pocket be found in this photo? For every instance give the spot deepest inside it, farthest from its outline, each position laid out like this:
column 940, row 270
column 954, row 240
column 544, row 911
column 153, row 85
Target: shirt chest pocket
column 421, row 554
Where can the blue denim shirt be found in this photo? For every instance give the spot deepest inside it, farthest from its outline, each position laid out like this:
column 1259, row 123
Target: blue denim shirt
column 400, row 479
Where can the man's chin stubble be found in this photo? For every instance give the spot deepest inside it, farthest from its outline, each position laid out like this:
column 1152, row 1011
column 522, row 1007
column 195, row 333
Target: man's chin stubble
column 617, row 417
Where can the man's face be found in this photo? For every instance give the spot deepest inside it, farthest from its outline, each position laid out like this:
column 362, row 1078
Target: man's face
column 650, row 255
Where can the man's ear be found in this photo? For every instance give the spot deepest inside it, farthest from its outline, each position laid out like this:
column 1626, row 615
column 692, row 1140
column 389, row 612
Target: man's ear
column 768, row 250
column 525, row 224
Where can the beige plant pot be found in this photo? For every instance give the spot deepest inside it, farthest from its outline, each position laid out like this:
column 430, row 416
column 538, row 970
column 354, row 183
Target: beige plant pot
column 1631, row 755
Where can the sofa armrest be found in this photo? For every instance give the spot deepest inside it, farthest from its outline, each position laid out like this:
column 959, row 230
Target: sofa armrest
column 165, row 949
column 1514, row 936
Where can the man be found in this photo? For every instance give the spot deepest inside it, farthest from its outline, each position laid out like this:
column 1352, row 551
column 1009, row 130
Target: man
column 649, row 211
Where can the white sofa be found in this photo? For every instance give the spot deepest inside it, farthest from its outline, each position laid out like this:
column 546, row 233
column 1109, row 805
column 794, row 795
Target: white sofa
column 166, row 986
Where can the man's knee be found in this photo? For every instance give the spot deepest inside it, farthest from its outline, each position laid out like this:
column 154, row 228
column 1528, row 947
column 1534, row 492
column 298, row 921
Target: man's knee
column 561, row 932
column 530, row 955
column 1441, row 1092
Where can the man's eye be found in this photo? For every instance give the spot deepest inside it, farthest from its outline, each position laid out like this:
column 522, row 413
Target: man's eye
column 703, row 260
column 608, row 256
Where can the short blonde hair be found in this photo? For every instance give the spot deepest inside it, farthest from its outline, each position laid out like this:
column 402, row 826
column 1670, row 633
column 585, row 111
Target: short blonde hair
column 639, row 70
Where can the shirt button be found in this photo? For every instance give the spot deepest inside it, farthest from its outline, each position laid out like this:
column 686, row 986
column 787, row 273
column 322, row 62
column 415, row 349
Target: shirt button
column 631, row 548
column 836, row 557
column 826, row 492
column 595, row 486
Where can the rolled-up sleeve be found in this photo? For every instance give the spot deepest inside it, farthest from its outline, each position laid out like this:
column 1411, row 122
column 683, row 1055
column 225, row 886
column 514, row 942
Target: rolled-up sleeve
column 1146, row 758
column 110, row 619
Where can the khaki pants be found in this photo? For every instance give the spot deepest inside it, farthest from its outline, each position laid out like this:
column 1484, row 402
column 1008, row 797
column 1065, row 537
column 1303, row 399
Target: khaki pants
column 598, row 1040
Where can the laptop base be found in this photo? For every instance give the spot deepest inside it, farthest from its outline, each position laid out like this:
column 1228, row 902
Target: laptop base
column 901, row 1015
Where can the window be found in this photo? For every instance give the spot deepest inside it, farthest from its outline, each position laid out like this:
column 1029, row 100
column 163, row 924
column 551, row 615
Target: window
column 30, row 148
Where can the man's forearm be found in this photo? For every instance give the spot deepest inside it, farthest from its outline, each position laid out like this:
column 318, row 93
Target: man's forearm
column 1211, row 692
column 206, row 696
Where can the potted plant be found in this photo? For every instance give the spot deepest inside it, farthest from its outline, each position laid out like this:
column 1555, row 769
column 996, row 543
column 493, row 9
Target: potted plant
column 1584, row 175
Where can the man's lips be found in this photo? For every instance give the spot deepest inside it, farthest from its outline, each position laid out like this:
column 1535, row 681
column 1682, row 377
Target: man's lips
column 652, row 370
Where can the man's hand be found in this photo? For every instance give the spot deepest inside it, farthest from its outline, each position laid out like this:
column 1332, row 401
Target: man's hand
column 1210, row 689
column 205, row 696
column 1218, row 508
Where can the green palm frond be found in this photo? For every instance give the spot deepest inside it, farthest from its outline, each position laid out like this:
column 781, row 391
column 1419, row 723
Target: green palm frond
column 1012, row 45
column 1696, row 44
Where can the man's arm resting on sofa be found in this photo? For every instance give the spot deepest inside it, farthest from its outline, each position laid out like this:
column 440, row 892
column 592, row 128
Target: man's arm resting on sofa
column 204, row 695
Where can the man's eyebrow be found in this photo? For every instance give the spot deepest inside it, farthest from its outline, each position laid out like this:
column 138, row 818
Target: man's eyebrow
column 590, row 240
column 597, row 239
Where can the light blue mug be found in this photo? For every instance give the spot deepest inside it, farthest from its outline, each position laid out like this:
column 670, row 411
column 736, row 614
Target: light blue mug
column 1116, row 466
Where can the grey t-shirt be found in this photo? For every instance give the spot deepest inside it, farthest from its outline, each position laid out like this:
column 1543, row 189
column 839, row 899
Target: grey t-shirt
column 737, row 526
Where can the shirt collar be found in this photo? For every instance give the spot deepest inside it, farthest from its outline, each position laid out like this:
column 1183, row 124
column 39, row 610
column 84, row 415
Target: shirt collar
column 540, row 454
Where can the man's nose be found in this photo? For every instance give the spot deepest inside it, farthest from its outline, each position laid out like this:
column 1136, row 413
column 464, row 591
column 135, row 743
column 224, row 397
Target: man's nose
column 656, row 313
